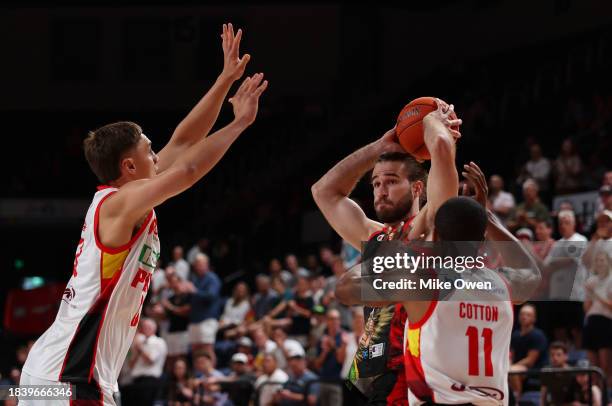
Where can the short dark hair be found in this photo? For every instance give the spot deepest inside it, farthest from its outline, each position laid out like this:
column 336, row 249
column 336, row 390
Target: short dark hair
column 415, row 170
column 547, row 222
column 461, row 219
column 558, row 345
column 105, row 147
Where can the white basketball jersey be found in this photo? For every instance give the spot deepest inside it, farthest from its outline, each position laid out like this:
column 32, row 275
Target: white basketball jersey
column 460, row 351
column 100, row 308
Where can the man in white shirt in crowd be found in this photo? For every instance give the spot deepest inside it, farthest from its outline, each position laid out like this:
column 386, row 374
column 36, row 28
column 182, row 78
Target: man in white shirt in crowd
column 271, row 381
column 501, row 201
column 147, row 358
column 564, row 262
column 538, row 167
column 178, row 262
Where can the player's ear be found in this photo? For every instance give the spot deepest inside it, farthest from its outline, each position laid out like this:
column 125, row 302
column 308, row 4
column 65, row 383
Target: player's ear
column 128, row 166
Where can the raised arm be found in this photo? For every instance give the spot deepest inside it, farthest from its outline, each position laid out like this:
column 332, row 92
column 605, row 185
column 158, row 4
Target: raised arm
column 522, row 269
column 122, row 211
column 443, row 180
column 202, row 117
column 331, row 192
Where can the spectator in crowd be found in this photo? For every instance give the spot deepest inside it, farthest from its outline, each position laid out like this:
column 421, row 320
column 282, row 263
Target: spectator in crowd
column 563, row 261
column 329, row 296
column 284, row 346
column 204, row 370
column 567, row 169
column 293, row 266
column 538, row 168
column 275, row 269
column 294, row 311
column 557, row 389
column 265, row 298
column 159, row 282
column 601, row 239
column 525, row 235
column 205, row 289
column 529, row 212
column 178, row 262
column 544, row 240
column 312, row 265
column 605, row 198
column 296, row 391
column 146, row 363
column 317, row 285
column 597, row 334
column 502, row 203
column 238, row 384
column 352, row 339
column 270, row 381
column 13, row 377
column 349, row 254
column 331, row 353
column 263, row 345
column 177, row 309
column 585, row 395
column 327, row 257
column 236, row 307
column 201, row 247
column 178, row 389
column 528, row 347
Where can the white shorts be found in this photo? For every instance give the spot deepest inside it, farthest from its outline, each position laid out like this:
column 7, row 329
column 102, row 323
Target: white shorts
column 107, row 397
column 203, row 332
column 178, row 343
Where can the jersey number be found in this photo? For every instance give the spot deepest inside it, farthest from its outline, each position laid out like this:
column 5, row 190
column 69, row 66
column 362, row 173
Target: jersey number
column 487, row 335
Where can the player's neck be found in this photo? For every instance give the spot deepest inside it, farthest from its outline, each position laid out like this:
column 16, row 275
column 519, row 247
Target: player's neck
column 527, row 329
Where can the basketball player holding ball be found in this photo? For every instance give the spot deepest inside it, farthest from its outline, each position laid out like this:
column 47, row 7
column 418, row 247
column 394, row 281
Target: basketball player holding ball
column 457, row 348
column 398, row 183
column 87, row 343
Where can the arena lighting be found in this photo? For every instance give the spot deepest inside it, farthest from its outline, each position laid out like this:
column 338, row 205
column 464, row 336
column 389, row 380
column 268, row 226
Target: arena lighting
column 32, row 282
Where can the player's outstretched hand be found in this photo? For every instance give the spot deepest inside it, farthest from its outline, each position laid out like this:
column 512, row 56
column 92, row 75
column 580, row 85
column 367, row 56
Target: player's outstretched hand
column 443, row 115
column 246, row 99
column 478, row 182
column 233, row 65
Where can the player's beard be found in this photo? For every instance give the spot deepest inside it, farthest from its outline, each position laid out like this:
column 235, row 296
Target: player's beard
column 396, row 212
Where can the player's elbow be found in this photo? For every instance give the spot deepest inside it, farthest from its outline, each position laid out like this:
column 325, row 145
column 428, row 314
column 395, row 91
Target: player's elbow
column 319, row 191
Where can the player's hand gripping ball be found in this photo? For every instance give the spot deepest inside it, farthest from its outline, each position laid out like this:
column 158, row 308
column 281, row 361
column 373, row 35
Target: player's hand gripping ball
column 409, row 128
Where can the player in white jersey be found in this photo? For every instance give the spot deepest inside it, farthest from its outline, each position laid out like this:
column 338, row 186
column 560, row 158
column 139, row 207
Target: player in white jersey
column 457, row 347
column 87, row 343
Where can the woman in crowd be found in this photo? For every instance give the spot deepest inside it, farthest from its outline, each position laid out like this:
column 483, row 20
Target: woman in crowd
column 598, row 308
column 179, row 388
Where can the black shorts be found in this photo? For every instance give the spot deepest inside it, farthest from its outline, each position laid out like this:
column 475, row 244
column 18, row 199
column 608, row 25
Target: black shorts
column 597, row 333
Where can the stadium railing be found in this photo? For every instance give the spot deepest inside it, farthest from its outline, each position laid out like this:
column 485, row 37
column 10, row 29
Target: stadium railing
column 572, row 371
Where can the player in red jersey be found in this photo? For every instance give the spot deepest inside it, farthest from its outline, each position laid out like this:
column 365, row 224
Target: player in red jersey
column 398, row 183
column 87, row 343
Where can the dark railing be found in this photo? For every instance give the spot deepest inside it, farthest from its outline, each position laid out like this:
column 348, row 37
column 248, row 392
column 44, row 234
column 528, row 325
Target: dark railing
column 573, row 371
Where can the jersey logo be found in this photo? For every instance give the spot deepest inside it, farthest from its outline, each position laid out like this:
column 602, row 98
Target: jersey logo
column 377, row 350
column 148, row 257
column 68, row 294
column 485, row 391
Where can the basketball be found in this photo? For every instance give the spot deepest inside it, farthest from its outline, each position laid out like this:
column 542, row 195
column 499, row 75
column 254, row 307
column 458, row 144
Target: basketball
column 410, row 126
